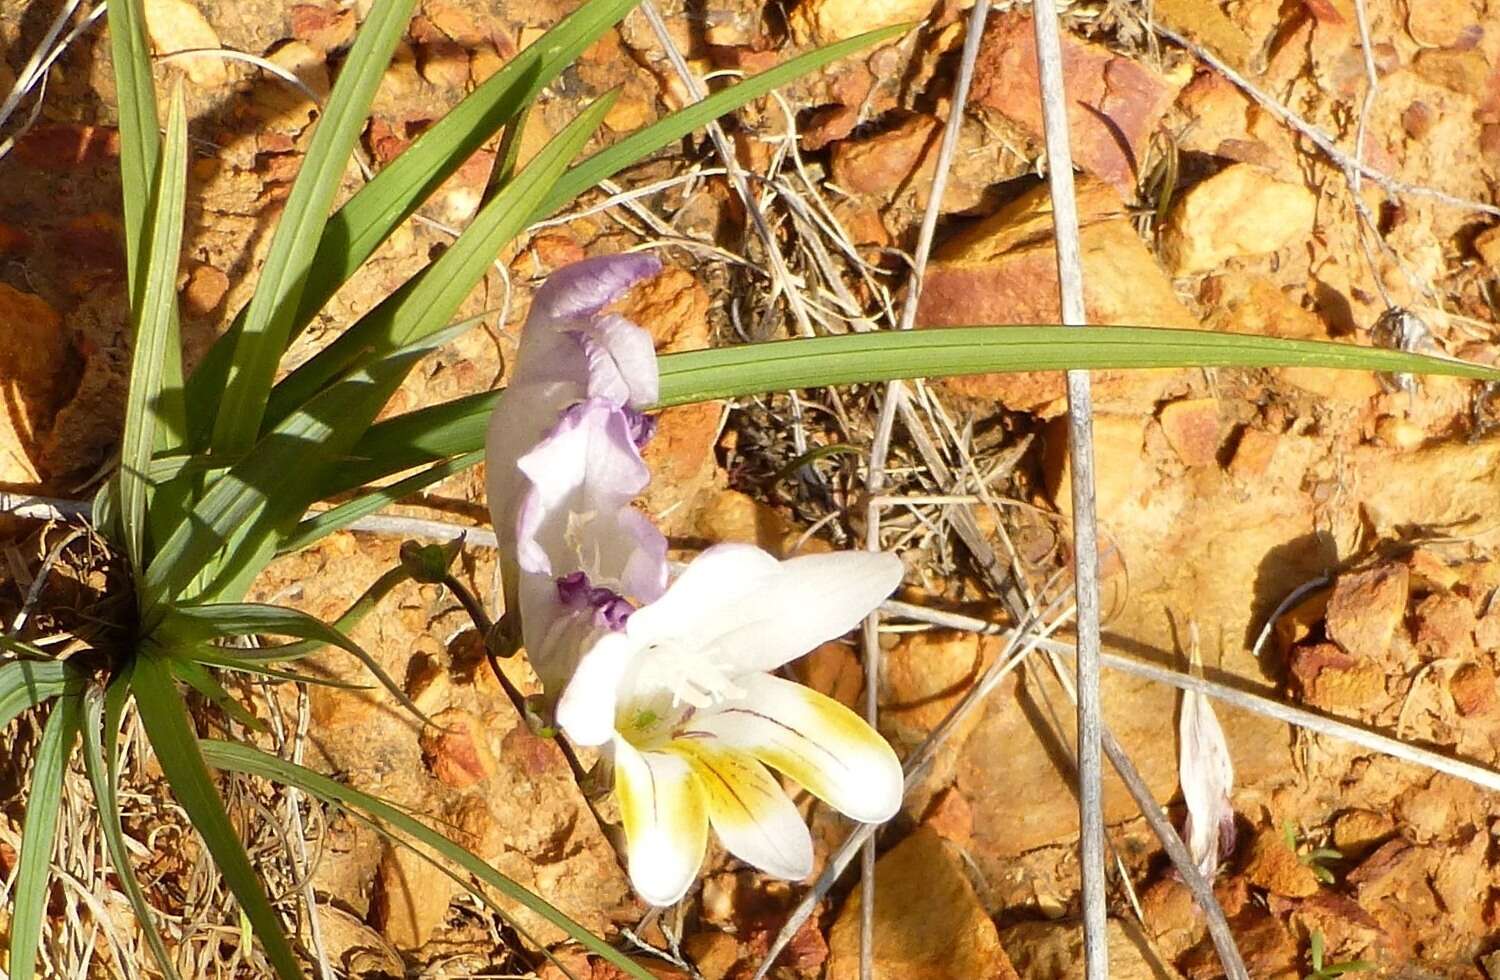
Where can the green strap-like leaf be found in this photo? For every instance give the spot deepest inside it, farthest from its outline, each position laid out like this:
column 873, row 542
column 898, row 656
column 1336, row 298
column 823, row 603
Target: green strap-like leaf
column 378, row 208
column 429, row 300
column 155, row 312
column 455, row 427
column 315, row 528
column 135, row 96
column 273, row 307
column 250, row 760
column 176, row 744
column 106, row 797
column 43, row 806
column 25, row 684
column 222, row 620
column 271, row 486
column 195, row 675
column 640, row 144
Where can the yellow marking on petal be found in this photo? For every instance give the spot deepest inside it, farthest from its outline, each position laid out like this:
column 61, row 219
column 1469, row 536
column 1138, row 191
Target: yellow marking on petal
column 665, row 816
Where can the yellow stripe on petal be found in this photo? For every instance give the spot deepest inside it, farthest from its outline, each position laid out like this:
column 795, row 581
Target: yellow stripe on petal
column 813, row 739
column 748, row 809
column 666, row 821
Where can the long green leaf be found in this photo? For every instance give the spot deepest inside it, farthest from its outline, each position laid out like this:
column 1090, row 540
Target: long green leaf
column 194, row 674
column 274, row 305
column 378, row 208
column 456, row 427
column 176, row 744
column 135, row 96
column 222, row 620
column 315, row 528
column 155, row 309
column 106, row 797
column 638, row 145
column 25, row 684
column 43, row 805
column 271, row 486
column 428, row 301
column 250, row 760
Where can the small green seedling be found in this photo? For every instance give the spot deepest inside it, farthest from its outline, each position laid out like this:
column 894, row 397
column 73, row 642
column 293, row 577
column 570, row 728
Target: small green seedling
column 1314, row 858
column 1322, row 971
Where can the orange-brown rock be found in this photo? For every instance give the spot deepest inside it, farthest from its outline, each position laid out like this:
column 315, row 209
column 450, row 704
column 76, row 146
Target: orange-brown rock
column 1004, row 270
column 1330, row 679
column 1240, row 211
column 1274, row 866
column 1114, row 103
column 883, row 163
column 204, row 290
column 455, row 751
column 929, row 924
column 33, row 381
column 1355, row 832
column 1473, row 689
column 827, row 21
column 951, row 816
column 1367, row 607
column 1055, row 949
column 1193, row 429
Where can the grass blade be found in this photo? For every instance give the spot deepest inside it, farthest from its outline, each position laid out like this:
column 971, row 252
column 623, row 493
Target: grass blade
column 252, row 619
column 194, row 674
column 135, row 95
column 43, row 805
column 613, row 159
column 315, row 528
column 272, row 485
column 429, row 300
column 155, row 309
column 458, row 426
column 27, row 683
column 222, row 620
column 102, row 776
column 273, row 307
column 378, row 208
column 176, row 744
column 250, row 760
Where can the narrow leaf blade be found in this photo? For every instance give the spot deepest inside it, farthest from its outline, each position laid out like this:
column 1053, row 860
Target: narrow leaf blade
column 273, row 307
column 247, row 759
column 101, row 775
column 28, row 683
column 176, row 744
column 155, row 309
column 43, row 805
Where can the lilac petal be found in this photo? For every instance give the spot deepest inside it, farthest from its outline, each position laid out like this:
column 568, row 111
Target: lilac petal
column 584, row 288
column 622, row 362
column 521, row 418
column 582, row 478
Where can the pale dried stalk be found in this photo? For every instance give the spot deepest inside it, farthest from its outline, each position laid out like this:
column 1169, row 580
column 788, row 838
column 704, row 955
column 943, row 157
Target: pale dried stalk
column 1091, row 850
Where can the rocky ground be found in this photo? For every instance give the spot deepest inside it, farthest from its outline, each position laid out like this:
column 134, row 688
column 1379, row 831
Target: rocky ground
column 1220, row 492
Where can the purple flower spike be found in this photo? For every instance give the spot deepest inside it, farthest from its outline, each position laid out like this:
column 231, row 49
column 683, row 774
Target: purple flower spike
column 584, row 288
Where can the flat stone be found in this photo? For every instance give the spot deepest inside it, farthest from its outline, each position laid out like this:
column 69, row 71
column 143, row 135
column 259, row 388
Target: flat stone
column 929, row 924
column 827, row 21
column 178, row 25
column 1240, row 211
column 1054, row 950
column 1366, row 608
column 1114, row 103
column 1276, row 868
column 1003, row 270
column 1193, row 429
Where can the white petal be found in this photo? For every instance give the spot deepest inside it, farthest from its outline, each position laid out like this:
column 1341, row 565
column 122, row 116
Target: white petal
column 521, row 417
column 1207, row 776
column 580, row 480
column 666, row 822
column 749, row 811
column 750, row 612
column 812, row 738
column 630, row 376
column 586, row 710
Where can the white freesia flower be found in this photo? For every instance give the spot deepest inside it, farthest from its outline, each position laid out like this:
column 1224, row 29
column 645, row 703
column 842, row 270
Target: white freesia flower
column 684, row 692
column 1207, row 776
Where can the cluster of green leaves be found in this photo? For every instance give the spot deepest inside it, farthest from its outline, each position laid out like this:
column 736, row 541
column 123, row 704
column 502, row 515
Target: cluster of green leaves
column 218, row 470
